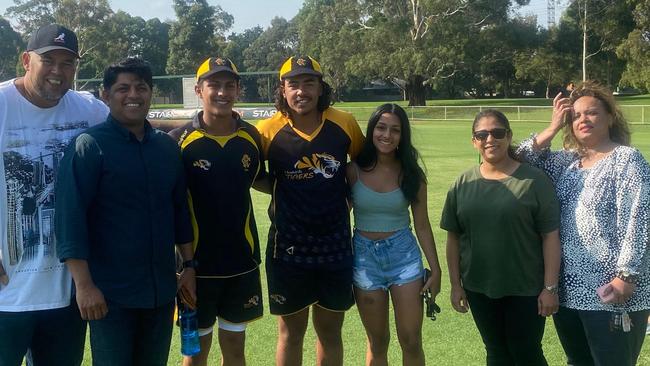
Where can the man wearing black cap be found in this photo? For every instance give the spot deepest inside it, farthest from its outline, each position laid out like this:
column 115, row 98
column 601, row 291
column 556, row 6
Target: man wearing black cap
column 309, row 253
column 39, row 114
column 223, row 159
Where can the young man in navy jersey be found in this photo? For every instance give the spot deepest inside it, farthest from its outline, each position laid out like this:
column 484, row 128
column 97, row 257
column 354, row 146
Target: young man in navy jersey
column 309, row 252
column 222, row 156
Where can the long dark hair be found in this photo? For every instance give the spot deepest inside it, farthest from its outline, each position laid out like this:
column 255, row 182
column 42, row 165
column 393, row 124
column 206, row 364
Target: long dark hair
column 503, row 121
column 324, row 100
column 412, row 174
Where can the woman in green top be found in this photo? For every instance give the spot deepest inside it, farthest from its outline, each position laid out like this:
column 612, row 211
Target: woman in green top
column 503, row 246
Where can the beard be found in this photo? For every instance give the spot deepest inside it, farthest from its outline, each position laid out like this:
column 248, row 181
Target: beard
column 50, row 92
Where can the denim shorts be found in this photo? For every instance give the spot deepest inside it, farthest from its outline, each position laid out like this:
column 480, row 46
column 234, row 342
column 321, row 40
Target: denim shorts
column 380, row 264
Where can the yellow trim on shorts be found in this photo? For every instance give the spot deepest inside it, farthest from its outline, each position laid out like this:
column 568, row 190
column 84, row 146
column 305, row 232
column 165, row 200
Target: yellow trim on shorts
column 334, row 311
column 297, row 311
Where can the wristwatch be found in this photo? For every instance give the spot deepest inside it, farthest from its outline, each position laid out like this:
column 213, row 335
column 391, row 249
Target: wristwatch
column 627, row 277
column 552, row 289
column 192, row 263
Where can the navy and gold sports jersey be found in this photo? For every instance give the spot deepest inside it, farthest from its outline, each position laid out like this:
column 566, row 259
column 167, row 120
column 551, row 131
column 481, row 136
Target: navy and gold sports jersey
column 311, row 221
column 220, row 171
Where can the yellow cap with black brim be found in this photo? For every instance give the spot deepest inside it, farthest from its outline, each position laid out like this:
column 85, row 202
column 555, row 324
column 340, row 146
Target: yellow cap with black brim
column 300, row 65
column 214, row 65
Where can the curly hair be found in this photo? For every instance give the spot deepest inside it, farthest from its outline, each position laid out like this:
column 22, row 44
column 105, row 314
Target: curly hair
column 412, row 174
column 324, row 100
column 619, row 130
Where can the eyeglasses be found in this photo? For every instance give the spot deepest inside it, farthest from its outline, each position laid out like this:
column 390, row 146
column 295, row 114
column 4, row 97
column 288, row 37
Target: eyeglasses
column 497, row 133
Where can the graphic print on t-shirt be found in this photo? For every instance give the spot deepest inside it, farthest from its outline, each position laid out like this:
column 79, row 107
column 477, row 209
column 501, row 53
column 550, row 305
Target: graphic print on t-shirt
column 30, row 162
column 323, row 164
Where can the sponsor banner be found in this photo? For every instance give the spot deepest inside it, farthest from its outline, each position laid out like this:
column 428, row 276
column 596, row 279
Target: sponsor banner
column 249, row 113
column 174, row 114
column 256, row 112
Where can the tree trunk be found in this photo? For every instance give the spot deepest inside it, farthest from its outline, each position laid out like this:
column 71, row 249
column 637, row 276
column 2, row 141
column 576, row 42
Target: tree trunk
column 416, row 91
column 584, row 45
column 336, row 96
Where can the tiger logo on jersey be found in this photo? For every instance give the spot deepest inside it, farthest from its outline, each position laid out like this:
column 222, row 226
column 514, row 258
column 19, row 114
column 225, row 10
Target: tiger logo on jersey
column 323, row 164
column 253, row 301
column 202, row 164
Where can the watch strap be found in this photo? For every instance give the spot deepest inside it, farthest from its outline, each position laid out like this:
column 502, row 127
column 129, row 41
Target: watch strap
column 552, row 288
column 627, row 277
column 192, row 263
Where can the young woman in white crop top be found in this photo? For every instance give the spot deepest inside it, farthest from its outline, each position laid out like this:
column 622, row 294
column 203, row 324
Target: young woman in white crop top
column 385, row 180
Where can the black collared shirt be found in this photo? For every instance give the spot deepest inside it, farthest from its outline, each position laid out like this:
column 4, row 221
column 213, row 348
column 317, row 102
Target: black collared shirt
column 122, row 205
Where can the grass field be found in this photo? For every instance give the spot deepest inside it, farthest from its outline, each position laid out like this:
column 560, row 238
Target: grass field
column 452, row 339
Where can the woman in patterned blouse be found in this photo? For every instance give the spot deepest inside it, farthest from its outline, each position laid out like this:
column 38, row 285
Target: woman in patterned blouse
column 603, row 186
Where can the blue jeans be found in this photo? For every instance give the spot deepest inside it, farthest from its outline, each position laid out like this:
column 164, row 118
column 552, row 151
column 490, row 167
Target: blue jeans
column 128, row 336
column 380, row 264
column 53, row 337
column 589, row 340
column 510, row 327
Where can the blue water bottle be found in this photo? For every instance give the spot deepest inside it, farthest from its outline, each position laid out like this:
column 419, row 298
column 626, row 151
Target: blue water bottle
column 189, row 330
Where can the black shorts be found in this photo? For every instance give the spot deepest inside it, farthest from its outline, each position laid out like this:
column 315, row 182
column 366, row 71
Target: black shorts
column 293, row 288
column 234, row 299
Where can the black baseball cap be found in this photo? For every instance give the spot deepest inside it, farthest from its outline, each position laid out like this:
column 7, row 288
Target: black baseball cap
column 300, row 65
column 214, row 65
column 53, row 37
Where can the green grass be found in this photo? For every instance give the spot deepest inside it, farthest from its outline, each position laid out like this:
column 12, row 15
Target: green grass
column 452, row 339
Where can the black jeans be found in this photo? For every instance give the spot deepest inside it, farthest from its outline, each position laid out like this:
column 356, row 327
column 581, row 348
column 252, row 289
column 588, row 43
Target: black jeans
column 511, row 329
column 589, row 339
column 53, row 337
column 132, row 337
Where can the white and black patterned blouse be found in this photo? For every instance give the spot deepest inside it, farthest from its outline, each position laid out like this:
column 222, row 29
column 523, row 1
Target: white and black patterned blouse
column 605, row 219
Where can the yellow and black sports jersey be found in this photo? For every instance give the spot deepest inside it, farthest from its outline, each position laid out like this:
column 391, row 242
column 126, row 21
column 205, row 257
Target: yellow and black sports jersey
column 311, row 221
column 220, row 171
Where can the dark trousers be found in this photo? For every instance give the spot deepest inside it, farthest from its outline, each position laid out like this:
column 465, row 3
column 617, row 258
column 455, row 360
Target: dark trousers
column 54, row 337
column 510, row 327
column 589, row 339
column 129, row 336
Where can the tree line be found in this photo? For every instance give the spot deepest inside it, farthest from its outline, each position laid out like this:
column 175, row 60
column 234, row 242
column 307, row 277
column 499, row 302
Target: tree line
column 426, row 48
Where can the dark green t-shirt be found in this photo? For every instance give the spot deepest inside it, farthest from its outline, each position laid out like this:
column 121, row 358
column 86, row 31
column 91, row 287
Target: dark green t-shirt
column 499, row 224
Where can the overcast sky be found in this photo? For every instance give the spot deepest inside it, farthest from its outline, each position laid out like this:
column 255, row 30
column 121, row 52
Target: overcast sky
column 249, row 13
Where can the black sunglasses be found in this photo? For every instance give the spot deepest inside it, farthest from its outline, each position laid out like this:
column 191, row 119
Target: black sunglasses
column 431, row 307
column 497, row 133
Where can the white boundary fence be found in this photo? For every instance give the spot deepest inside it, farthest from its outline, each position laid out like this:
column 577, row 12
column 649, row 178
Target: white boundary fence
column 635, row 114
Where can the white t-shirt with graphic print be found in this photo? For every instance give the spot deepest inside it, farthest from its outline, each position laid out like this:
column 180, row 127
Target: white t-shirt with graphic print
column 32, row 141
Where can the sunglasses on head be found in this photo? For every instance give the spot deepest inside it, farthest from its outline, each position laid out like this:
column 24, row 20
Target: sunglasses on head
column 497, row 133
